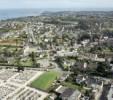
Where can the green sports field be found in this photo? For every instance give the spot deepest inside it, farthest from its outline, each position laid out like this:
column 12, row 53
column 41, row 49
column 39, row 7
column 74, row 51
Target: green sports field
column 45, row 81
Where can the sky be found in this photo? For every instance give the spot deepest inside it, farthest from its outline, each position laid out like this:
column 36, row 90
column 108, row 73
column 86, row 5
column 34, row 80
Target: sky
column 9, row 4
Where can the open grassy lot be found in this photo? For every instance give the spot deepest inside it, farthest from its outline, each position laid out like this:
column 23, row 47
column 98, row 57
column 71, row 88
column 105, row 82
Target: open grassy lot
column 10, row 42
column 27, row 62
column 44, row 82
column 4, row 30
column 71, row 85
column 74, row 86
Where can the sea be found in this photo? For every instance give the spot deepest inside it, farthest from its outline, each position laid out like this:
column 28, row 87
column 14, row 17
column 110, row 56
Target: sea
column 16, row 13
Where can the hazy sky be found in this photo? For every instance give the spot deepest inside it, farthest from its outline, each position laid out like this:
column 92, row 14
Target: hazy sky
column 4, row 4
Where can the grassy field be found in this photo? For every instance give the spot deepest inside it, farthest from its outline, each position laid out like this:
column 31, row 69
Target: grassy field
column 28, row 62
column 74, row 86
column 44, row 82
column 11, row 42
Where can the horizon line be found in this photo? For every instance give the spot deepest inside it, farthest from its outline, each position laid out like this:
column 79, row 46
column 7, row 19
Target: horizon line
column 72, row 9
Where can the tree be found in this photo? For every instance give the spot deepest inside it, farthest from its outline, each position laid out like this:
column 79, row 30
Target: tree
column 102, row 67
column 33, row 58
column 19, row 67
column 83, row 25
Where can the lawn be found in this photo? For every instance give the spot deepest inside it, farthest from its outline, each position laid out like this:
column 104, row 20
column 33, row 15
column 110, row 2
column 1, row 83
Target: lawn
column 28, row 62
column 4, row 30
column 44, row 82
column 74, row 86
